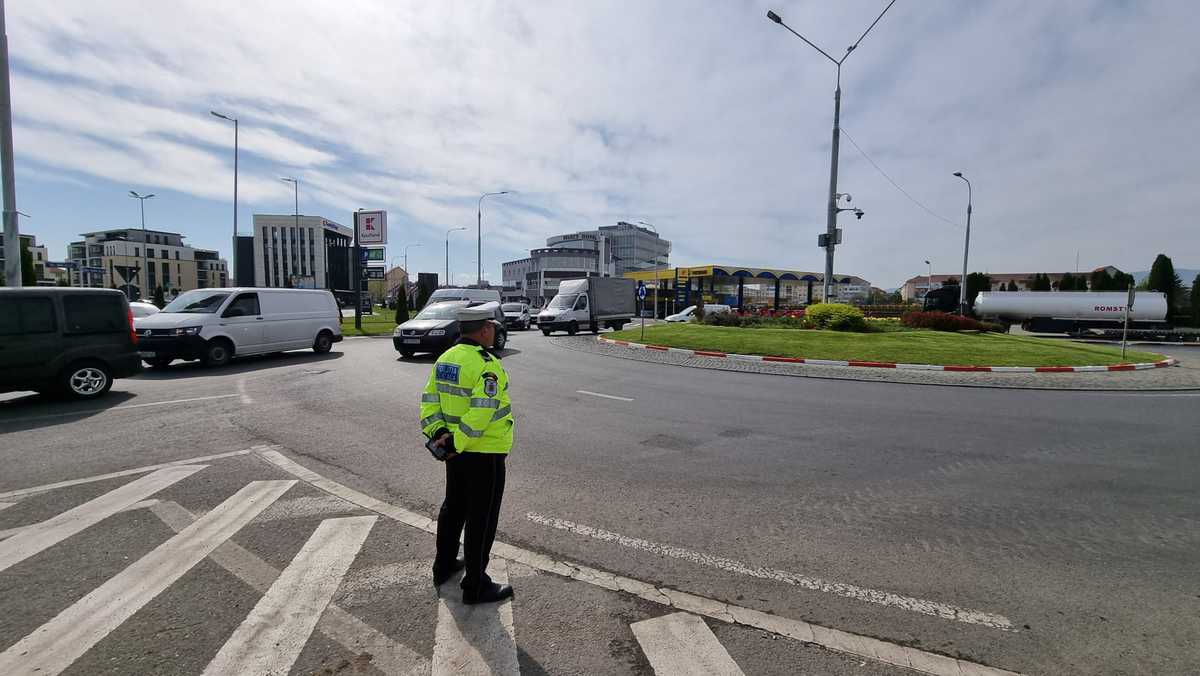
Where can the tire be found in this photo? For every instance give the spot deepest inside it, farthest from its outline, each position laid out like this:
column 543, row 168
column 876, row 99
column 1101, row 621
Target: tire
column 86, row 380
column 545, row 332
column 595, row 328
column 217, row 353
column 159, row 362
column 572, row 328
column 407, row 354
column 324, row 342
column 501, row 341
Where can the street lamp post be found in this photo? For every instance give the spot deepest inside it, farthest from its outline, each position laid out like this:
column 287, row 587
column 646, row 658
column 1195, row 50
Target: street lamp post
column 928, row 284
column 406, row 248
column 448, row 252
column 296, row 211
column 233, row 257
column 145, row 239
column 831, row 214
column 962, row 286
column 479, row 235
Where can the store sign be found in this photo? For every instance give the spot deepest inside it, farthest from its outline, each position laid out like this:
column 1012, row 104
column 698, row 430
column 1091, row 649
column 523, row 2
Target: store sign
column 372, row 227
column 374, row 273
column 374, row 254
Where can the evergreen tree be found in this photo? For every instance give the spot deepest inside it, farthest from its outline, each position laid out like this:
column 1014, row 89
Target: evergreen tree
column 159, row 301
column 28, row 277
column 1067, row 283
column 1102, row 281
column 1012, row 286
column 1195, row 298
column 402, row 304
column 1041, row 282
column 1163, row 278
column 976, row 282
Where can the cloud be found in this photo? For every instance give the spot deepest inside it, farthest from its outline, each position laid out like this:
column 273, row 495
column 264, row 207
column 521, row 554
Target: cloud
column 1076, row 122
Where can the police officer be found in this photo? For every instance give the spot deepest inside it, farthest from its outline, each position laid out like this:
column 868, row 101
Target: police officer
column 465, row 410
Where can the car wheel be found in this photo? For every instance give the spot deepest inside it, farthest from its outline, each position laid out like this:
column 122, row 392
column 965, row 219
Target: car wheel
column 407, row 354
column 323, row 343
column 217, row 353
column 86, row 380
column 545, row 332
column 572, row 328
column 595, row 328
column 159, row 362
column 501, row 341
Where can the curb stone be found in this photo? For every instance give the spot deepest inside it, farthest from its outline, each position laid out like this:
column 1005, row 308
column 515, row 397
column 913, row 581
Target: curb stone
column 1169, row 361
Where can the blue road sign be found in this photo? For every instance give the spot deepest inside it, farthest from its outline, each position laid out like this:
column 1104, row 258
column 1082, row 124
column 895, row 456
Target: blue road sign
column 641, row 292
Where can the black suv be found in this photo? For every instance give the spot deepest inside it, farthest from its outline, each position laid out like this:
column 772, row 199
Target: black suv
column 63, row 340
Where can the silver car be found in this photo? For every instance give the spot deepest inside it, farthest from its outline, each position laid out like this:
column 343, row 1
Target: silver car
column 516, row 315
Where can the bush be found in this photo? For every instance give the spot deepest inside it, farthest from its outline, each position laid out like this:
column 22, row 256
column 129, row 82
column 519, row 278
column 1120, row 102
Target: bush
column 940, row 321
column 754, row 321
column 836, row 317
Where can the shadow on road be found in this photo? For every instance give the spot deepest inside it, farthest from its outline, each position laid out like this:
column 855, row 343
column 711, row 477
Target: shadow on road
column 429, row 358
column 194, row 369
column 38, row 410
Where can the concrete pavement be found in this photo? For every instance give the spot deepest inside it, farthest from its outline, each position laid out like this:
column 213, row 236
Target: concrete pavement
column 866, row 507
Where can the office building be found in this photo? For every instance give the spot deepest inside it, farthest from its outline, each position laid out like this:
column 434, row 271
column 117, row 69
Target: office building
column 305, row 252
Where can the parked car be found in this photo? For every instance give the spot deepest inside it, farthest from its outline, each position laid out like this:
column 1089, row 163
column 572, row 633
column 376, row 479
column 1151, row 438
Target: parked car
column 215, row 325
column 516, row 315
column 690, row 311
column 141, row 309
column 474, row 296
column 435, row 328
column 63, row 340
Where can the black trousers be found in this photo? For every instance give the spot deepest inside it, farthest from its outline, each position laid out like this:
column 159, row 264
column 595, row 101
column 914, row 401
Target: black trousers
column 474, row 488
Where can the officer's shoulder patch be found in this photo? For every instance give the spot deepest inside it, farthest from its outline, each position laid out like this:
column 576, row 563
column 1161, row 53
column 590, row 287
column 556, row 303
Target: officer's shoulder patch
column 447, row 372
column 491, row 385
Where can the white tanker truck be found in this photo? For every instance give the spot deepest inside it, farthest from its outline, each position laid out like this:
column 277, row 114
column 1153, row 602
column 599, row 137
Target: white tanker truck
column 1079, row 312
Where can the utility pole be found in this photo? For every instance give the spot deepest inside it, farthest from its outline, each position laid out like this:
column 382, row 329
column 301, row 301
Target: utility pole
column 832, row 212
column 12, row 230
column 962, row 284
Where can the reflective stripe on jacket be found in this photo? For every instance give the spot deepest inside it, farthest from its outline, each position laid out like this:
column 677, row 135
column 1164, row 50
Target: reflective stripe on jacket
column 467, row 393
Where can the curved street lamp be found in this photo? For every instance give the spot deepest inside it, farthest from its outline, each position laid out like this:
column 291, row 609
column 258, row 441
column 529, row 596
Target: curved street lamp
column 448, row 252
column 479, row 235
column 145, row 239
column 962, row 288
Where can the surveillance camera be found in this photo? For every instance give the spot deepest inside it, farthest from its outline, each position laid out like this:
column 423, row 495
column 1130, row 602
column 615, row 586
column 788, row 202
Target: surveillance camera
column 858, row 213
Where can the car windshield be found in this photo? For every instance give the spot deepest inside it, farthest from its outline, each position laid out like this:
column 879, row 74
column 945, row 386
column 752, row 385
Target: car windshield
column 563, row 302
column 197, row 302
column 513, row 307
column 440, row 311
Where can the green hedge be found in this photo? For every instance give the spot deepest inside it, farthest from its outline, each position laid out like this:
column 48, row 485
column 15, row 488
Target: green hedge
column 835, row 317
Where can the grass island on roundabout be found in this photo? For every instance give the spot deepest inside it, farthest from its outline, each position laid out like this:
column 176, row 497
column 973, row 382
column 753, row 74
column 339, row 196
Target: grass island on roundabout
column 877, row 340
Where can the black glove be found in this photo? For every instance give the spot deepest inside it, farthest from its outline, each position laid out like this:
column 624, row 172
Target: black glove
column 441, row 451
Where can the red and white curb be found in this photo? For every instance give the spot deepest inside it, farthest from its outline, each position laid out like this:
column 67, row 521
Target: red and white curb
column 1170, row 361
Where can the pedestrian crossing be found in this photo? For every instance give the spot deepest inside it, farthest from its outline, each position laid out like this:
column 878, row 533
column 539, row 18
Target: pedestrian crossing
column 297, row 599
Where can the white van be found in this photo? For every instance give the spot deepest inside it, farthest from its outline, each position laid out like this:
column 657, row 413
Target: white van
column 476, row 296
column 214, row 325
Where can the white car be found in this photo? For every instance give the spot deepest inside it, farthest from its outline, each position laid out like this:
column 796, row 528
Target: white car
column 214, row 325
column 516, row 315
column 690, row 311
column 141, row 309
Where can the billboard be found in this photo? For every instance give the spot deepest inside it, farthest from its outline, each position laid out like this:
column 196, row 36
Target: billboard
column 372, row 227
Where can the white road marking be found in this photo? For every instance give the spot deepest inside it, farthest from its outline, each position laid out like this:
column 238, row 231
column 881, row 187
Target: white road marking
column 854, row 644
column 144, row 504
column 271, row 637
column 307, row 506
column 884, row 598
column 352, row 633
column 606, row 396
column 40, row 536
column 52, row 647
column 125, row 472
column 475, row 640
column 241, row 387
column 681, row 644
column 66, row 414
column 6, row 505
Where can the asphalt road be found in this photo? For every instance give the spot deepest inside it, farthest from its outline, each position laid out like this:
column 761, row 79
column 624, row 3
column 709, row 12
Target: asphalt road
column 1042, row 532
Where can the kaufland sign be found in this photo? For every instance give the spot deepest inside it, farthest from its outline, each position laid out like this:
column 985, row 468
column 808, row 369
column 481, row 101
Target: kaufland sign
column 372, row 227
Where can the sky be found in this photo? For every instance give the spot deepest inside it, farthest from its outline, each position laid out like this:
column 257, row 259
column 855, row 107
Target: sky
column 1078, row 124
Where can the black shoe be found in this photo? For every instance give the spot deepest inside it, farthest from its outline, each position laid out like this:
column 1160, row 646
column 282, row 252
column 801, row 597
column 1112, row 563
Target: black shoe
column 489, row 594
column 440, row 577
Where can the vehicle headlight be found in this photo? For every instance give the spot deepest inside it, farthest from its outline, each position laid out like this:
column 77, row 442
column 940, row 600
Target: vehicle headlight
column 396, row 331
column 438, row 332
column 188, row 331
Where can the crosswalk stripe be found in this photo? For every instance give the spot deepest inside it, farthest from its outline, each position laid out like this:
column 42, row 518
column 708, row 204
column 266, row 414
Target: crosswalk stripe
column 6, row 505
column 353, row 634
column 125, row 472
column 40, row 536
column 52, row 647
column 475, row 640
column 143, row 504
column 273, row 634
column 681, row 644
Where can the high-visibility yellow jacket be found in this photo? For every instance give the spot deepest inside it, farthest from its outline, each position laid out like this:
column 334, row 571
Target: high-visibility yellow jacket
column 467, row 394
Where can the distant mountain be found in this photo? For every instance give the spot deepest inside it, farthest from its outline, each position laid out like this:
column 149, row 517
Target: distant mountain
column 1184, row 274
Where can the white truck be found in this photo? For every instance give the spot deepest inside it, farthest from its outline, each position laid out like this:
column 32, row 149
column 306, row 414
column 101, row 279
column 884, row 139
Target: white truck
column 1082, row 313
column 591, row 303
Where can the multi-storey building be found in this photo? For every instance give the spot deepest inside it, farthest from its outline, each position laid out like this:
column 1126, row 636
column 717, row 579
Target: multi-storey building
column 117, row 258
column 308, row 252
